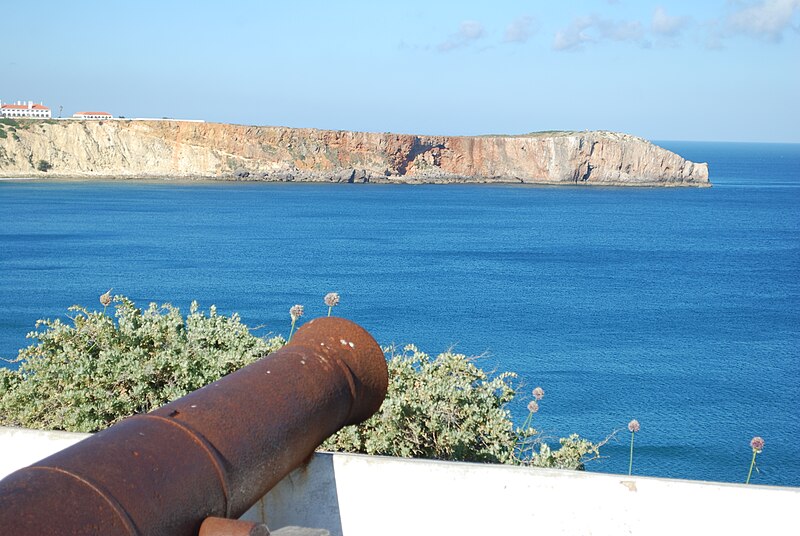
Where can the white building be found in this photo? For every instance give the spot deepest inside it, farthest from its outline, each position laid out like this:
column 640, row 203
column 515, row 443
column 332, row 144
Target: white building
column 92, row 115
column 25, row 110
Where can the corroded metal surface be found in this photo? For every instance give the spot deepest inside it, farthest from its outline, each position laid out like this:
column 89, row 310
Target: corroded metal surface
column 217, row 526
column 214, row 452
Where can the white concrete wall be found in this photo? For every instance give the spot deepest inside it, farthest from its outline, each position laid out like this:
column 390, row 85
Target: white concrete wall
column 20, row 447
column 367, row 495
column 354, row 495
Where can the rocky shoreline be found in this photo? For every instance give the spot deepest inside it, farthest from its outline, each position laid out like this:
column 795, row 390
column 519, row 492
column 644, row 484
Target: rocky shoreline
column 178, row 150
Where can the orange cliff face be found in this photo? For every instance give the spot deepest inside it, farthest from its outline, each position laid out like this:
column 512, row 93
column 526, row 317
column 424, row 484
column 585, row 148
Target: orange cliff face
column 182, row 149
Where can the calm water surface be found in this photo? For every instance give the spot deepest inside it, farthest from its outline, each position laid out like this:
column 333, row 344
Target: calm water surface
column 677, row 307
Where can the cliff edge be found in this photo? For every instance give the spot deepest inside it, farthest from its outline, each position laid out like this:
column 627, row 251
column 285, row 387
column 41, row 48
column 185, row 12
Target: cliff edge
column 123, row 148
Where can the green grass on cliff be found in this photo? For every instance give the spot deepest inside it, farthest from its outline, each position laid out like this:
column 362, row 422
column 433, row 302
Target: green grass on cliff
column 539, row 134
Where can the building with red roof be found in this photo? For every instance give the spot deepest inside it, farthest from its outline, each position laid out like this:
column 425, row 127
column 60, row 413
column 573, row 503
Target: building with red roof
column 92, row 115
column 25, row 110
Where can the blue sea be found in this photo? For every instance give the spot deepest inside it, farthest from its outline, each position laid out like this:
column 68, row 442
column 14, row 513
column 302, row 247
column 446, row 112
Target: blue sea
column 677, row 307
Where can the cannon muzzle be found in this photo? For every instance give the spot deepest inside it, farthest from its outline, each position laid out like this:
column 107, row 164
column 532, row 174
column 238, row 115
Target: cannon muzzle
column 214, row 452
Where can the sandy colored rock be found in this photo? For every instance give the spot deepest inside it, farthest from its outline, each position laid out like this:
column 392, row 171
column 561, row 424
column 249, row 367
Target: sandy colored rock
column 186, row 150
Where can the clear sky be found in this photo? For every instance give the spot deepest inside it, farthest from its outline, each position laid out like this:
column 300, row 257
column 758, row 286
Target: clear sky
column 725, row 70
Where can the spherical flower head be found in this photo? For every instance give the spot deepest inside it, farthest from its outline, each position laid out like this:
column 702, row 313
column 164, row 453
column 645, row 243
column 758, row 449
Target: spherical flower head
column 105, row 299
column 332, row 299
column 533, row 407
column 757, row 443
column 633, row 426
column 538, row 393
column 296, row 311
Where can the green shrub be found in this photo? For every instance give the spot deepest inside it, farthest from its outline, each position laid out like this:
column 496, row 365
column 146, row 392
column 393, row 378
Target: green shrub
column 445, row 408
column 574, row 453
column 89, row 374
column 44, row 165
column 86, row 375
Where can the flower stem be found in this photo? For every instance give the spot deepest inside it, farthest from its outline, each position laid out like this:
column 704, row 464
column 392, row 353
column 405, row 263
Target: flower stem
column 752, row 464
column 630, row 463
column 527, row 421
column 292, row 330
column 329, row 309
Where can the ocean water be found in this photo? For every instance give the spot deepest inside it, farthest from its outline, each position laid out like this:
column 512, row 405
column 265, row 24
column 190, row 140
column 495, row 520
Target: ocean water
column 677, row 307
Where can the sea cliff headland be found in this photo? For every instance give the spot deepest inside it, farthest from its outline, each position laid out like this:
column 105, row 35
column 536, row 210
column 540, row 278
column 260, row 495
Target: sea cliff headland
column 142, row 149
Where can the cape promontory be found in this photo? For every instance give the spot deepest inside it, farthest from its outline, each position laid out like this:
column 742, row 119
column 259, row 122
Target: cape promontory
column 124, row 148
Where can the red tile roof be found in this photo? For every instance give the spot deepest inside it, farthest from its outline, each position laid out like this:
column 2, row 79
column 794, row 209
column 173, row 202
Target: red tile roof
column 24, row 107
column 93, row 113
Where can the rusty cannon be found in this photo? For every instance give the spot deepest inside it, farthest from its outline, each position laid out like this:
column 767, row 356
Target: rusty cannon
column 211, row 454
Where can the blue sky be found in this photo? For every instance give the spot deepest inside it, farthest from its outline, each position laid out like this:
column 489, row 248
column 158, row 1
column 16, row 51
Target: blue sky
column 725, row 70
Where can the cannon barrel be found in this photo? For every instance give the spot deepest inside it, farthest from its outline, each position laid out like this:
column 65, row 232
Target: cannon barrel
column 214, row 452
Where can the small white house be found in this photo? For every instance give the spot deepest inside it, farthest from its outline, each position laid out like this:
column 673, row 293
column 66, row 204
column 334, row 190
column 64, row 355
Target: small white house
column 92, row 115
column 25, row 110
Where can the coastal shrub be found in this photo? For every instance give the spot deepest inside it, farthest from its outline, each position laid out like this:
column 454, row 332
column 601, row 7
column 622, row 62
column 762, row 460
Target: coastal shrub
column 448, row 408
column 574, row 452
column 87, row 374
column 444, row 408
column 44, row 165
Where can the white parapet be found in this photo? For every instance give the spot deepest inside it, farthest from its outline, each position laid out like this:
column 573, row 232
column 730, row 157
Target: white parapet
column 354, row 495
column 20, row 447
column 357, row 495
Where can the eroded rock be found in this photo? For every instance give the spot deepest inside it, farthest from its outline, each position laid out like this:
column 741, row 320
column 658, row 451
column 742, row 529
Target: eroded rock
column 182, row 149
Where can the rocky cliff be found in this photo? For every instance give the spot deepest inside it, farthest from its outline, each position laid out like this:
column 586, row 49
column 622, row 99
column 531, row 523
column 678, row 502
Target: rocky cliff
column 182, row 149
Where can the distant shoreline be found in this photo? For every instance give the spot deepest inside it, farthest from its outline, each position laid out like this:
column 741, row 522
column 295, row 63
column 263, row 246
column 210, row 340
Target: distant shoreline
column 232, row 180
column 184, row 150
